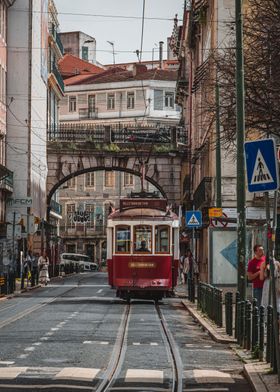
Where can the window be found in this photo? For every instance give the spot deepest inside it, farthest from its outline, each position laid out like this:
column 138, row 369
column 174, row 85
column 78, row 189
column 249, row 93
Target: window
column 109, row 179
column 158, row 99
column 130, row 100
column 128, row 179
column 142, row 239
column 110, row 101
column 162, row 239
column 70, row 211
column 72, row 104
column 169, row 99
column 122, row 239
column 71, row 248
column 91, row 103
column 84, row 52
column 71, row 183
column 89, row 215
column 89, row 180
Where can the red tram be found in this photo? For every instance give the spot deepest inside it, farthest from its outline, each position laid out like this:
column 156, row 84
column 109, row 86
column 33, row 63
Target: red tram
column 143, row 249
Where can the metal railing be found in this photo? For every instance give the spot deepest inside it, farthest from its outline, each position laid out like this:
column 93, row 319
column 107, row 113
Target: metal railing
column 57, row 38
column 116, row 133
column 58, row 77
column 88, row 113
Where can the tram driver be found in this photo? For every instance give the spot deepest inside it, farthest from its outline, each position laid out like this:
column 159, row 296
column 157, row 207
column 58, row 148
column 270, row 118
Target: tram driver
column 143, row 247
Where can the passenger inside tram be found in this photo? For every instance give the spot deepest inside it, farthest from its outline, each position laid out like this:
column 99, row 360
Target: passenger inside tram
column 143, row 247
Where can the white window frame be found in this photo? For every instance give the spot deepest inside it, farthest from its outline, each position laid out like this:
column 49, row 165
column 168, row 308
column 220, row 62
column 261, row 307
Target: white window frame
column 169, row 99
column 111, row 101
column 130, row 183
column 90, row 207
column 72, row 103
column 68, row 222
column 130, row 99
column 91, row 177
column 113, row 178
column 72, row 183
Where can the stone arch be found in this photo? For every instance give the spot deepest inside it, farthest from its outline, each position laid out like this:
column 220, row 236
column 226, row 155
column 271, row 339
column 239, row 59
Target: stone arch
column 100, row 168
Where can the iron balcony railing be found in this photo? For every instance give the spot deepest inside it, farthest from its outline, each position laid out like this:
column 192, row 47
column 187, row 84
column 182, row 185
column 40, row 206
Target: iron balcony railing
column 88, row 113
column 57, row 38
column 7, row 182
column 202, row 194
column 118, row 134
column 58, row 77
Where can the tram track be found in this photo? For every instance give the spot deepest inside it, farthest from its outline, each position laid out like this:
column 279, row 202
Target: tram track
column 116, row 362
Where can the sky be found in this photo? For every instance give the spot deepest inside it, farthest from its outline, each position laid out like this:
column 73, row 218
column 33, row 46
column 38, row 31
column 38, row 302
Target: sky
column 125, row 33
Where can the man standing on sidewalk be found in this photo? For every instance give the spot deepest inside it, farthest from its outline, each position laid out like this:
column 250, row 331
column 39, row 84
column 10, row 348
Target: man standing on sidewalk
column 253, row 272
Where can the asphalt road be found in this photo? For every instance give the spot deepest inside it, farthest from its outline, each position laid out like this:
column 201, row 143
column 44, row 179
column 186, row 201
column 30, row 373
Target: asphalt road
column 64, row 337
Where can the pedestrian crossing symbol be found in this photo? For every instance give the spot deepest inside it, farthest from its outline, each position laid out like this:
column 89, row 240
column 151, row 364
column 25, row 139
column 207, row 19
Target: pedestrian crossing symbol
column 261, row 173
column 193, row 219
column 262, row 165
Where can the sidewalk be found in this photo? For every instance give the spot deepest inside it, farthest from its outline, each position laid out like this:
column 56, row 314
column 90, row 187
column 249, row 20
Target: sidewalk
column 257, row 373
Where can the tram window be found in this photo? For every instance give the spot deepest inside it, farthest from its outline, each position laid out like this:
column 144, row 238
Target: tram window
column 122, row 239
column 162, row 239
column 142, row 239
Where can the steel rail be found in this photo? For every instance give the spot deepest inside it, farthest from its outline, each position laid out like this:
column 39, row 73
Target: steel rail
column 173, row 351
column 118, row 353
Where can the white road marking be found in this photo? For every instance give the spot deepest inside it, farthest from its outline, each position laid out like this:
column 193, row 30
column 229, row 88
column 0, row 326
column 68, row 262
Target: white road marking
column 88, row 342
column 207, row 346
column 208, row 389
column 37, row 344
column 154, row 344
column 11, row 372
column 136, row 344
column 44, row 338
column 144, row 375
column 104, row 342
column 189, row 345
column 209, row 376
column 29, row 349
column 54, row 329
column 49, row 333
column 84, row 374
column 7, row 362
column 23, row 356
column 99, row 291
column 62, row 323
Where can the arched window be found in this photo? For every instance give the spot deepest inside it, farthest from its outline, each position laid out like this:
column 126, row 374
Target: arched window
column 122, row 239
column 162, row 239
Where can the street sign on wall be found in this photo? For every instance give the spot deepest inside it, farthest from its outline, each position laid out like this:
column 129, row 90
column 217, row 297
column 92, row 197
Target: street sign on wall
column 262, row 165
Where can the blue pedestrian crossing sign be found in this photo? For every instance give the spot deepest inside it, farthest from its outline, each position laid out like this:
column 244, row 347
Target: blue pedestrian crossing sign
column 193, row 219
column 262, row 165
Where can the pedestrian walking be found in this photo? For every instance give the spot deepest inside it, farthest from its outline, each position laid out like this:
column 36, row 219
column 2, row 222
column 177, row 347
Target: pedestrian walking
column 43, row 264
column 34, row 269
column 253, row 272
column 265, row 276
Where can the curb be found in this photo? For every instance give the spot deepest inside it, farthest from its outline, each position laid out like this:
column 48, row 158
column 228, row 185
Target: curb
column 254, row 378
column 217, row 337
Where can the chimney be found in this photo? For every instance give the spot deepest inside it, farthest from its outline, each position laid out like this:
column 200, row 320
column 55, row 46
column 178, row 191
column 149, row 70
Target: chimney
column 138, row 69
column 160, row 54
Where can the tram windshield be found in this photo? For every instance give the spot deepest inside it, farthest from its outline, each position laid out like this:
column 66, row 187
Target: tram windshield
column 123, row 239
column 142, row 239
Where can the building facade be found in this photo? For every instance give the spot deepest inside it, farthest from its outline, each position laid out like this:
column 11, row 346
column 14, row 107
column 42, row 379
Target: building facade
column 80, row 45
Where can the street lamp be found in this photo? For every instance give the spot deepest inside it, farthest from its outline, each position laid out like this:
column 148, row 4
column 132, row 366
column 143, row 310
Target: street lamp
column 113, row 48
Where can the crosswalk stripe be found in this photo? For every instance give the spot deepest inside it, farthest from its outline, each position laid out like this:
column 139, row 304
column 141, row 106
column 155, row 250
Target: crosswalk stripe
column 11, row 372
column 144, row 375
column 83, row 374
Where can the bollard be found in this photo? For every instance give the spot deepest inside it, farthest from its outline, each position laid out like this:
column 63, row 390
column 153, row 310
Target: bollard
column 237, row 300
column 242, row 323
column 230, row 314
column 220, row 308
column 248, row 325
column 261, row 332
column 255, row 328
column 268, row 334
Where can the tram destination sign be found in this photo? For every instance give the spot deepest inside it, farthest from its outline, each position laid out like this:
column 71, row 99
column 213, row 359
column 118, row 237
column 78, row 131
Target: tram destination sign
column 158, row 204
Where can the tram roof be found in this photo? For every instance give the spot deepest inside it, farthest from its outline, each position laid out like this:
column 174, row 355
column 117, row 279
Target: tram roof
column 142, row 214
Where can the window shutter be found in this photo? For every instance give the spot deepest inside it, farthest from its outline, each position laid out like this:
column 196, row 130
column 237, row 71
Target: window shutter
column 158, row 99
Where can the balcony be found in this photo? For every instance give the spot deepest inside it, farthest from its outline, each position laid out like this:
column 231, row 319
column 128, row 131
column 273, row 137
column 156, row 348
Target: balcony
column 56, row 207
column 88, row 113
column 57, row 39
column 7, row 182
column 203, row 193
column 58, row 77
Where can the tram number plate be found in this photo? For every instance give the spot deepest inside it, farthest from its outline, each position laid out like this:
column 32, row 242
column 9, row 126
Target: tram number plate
column 141, row 264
